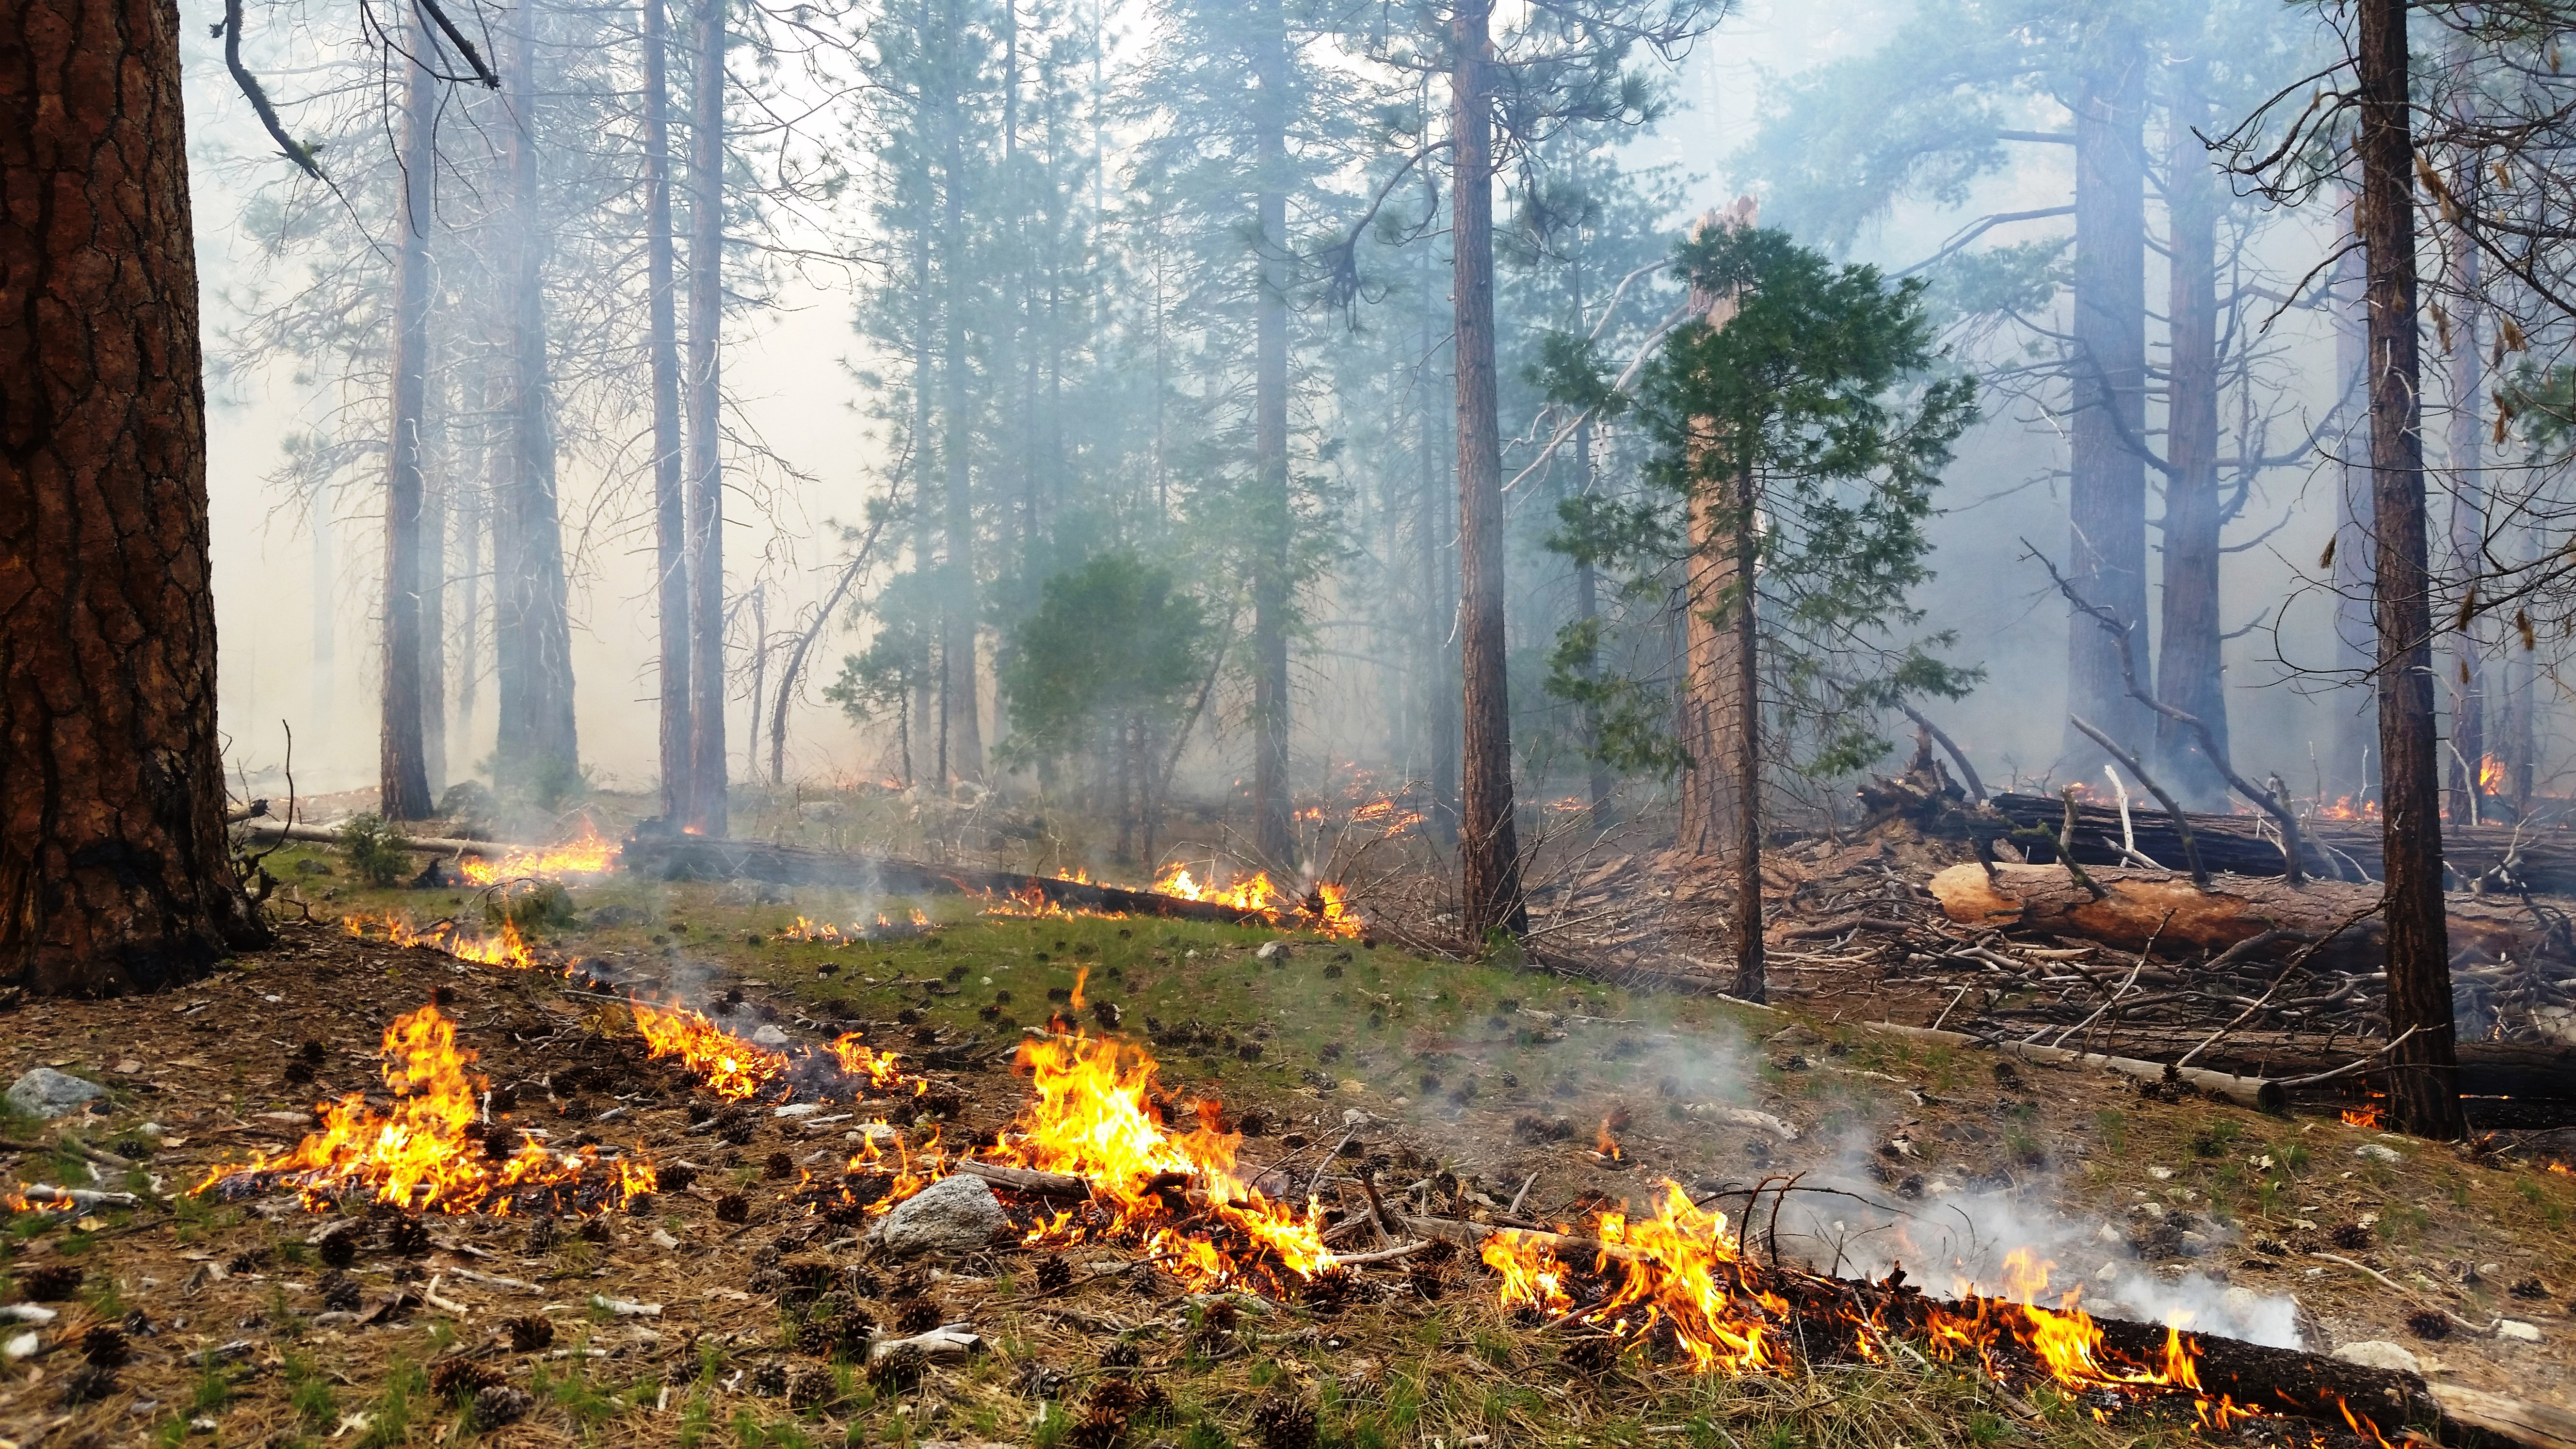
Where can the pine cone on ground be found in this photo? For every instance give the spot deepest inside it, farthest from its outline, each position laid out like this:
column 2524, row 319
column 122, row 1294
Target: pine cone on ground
column 499, row 1405
column 104, row 1344
column 88, row 1384
column 339, row 1248
column 1054, row 1274
column 54, row 1283
column 901, row 1368
column 1284, row 1423
column 915, row 1315
column 531, row 1332
column 733, row 1207
column 452, row 1376
column 769, row 1380
column 2429, row 1323
column 340, row 1293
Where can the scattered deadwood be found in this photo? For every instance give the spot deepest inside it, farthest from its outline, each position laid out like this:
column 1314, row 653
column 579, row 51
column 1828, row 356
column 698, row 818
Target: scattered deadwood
column 266, row 830
column 1028, row 1180
column 2255, row 1092
column 2135, row 906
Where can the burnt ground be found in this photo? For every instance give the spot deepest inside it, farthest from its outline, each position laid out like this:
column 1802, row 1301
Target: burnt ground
column 1469, row 1078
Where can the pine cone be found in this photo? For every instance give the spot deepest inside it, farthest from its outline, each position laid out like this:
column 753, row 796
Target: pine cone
column 901, row 1368
column 1284, row 1423
column 88, row 1384
column 733, row 1207
column 531, row 1332
column 338, row 1249
column 104, row 1345
column 2429, row 1323
column 55, row 1283
column 769, row 1381
column 1054, row 1274
column 340, row 1293
column 450, row 1377
column 916, row 1315
column 1099, row 1429
column 499, row 1405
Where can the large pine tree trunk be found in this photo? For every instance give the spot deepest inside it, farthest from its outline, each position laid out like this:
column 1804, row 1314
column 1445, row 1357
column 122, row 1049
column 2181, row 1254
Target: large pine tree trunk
column 1713, row 724
column 113, row 874
column 2107, row 484
column 2189, row 659
column 1271, row 517
column 670, row 489
column 2423, row 1076
column 1439, row 657
column 2353, row 768
column 402, row 774
column 708, row 814
column 434, row 512
column 537, row 742
column 1489, row 856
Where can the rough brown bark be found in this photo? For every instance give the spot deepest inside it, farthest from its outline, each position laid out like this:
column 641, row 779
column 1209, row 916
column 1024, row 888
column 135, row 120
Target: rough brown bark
column 113, row 875
column 2189, row 662
column 2045, row 900
column 402, row 774
column 2107, row 482
column 2423, row 1093
column 1712, row 726
column 670, row 490
column 707, row 775
column 1272, row 519
column 1489, row 856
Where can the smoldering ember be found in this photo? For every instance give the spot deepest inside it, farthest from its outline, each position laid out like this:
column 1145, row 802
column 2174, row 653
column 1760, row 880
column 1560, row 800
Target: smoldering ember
column 1191, row 724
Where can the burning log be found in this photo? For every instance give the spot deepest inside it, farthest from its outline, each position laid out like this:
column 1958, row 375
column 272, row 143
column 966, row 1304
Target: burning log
column 1025, row 1180
column 2261, row 1094
column 2137, row 906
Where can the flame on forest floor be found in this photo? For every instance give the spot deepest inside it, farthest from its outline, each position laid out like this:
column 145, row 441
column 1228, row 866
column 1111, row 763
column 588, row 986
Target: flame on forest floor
column 508, row 948
column 426, row 1154
column 1175, row 1193
column 592, row 854
column 1681, row 1276
column 1326, row 908
column 827, row 934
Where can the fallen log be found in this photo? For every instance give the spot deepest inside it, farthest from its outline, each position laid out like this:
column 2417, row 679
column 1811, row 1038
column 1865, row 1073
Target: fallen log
column 422, row 844
column 2135, row 906
column 1022, row 1179
column 2516, row 1421
column 2261, row 1094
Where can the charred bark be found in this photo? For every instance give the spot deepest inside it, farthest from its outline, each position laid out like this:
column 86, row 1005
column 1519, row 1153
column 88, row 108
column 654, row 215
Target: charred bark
column 2423, row 1096
column 113, row 872
column 1489, row 855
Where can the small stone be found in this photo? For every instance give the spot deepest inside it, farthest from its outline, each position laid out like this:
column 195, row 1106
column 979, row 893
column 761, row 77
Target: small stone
column 2379, row 1353
column 950, row 1218
column 22, row 1345
column 2517, row 1330
column 769, row 1035
column 1273, row 952
column 2377, row 1153
column 45, row 1092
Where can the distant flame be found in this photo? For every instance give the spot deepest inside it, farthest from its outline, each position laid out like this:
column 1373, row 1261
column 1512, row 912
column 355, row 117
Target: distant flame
column 730, row 1066
column 589, row 855
column 2490, row 775
column 507, row 949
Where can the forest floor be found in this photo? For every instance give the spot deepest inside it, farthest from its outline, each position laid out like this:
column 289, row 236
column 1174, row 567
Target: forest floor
column 1477, row 1084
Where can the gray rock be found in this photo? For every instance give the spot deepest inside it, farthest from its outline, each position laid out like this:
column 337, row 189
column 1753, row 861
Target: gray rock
column 1273, row 952
column 950, row 1218
column 2378, row 1353
column 45, row 1092
column 770, row 1035
column 613, row 915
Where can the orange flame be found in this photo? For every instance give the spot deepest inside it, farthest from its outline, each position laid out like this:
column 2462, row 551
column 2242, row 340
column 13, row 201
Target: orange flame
column 1092, row 1116
column 589, row 855
column 730, row 1066
column 857, row 1060
column 423, row 1154
column 2490, row 774
column 507, row 949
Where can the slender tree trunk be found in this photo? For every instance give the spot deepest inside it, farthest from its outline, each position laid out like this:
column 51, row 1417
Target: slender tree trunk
column 759, row 678
column 670, row 488
column 926, row 692
column 402, row 777
column 708, row 813
column 2353, row 772
column 1749, row 983
column 2467, row 543
column 2189, row 662
column 472, row 519
column 1271, row 516
column 433, row 595
column 2107, row 487
column 961, row 728
column 536, row 697
column 1439, row 660
column 326, row 596
column 1587, row 590
column 2423, row 1085
column 113, row 873
column 1489, row 855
